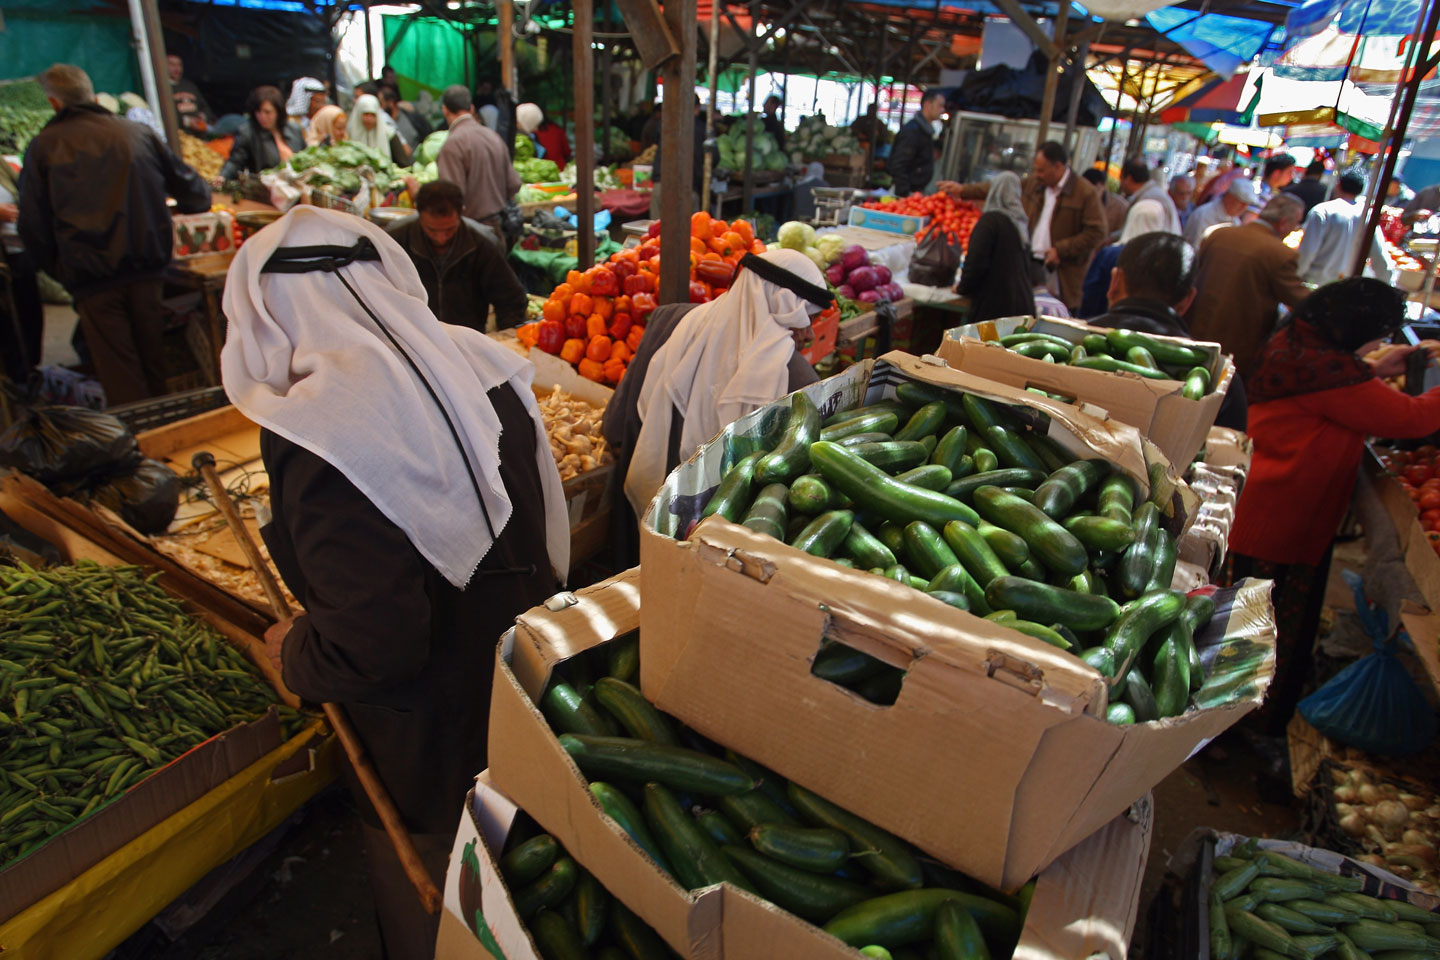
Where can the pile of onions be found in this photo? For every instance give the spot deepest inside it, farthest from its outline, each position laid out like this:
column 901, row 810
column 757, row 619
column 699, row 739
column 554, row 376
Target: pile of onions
column 1401, row 830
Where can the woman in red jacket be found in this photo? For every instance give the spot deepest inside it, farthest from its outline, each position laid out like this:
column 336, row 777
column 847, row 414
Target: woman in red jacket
column 1312, row 404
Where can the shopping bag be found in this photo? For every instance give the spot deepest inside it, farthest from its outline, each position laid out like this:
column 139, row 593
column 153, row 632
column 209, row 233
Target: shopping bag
column 936, row 260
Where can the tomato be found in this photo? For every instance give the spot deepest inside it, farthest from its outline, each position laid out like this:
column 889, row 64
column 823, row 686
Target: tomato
column 1417, row 474
column 1427, row 451
column 1429, row 500
column 1430, row 519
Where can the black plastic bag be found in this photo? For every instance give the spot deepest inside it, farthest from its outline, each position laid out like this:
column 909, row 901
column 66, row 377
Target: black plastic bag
column 935, row 261
column 146, row 498
column 68, row 448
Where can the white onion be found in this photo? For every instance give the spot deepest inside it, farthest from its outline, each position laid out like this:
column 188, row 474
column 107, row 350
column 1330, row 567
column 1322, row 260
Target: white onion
column 1416, row 837
column 1344, row 809
column 1390, row 813
column 1370, row 794
column 1346, row 794
column 1353, row 824
column 1413, row 801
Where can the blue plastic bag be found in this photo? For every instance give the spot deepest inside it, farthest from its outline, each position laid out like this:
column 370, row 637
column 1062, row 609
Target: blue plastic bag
column 1372, row 704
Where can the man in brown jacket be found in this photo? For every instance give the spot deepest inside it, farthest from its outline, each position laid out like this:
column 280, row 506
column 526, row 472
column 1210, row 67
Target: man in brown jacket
column 1244, row 274
column 476, row 158
column 1067, row 219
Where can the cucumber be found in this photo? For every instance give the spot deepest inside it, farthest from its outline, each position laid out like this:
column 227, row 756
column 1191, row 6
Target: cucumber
column 823, row 535
column 639, row 760
column 735, row 492
column 964, row 468
column 1100, row 533
column 622, row 657
column 1163, row 572
column 887, row 858
column 1102, row 659
column 1139, row 622
column 963, row 488
column 957, row 935
column 769, row 514
column 636, row 714
column 884, row 406
column 875, row 952
column 1002, row 616
column 930, row 476
column 1057, row 496
column 529, row 859
column 719, row 828
column 1087, row 581
column 892, row 456
column 816, row 849
column 927, row 549
column 923, row 422
column 807, row 895
column 1120, row 714
column 1043, row 603
column 855, row 439
column 898, row 573
column 1258, row 931
column 1111, row 365
column 874, row 491
column 1141, row 358
column 957, row 600
column 893, row 536
column 1024, row 493
column 557, row 937
column 972, row 550
column 754, row 809
column 1137, row 563
column 877, row 422
column 1011, row 548
column 791, row 457
column 1116, row 499
column 1095, row 343
column 1031, row 335
column 812, row 495
column 985, row 459
column 842, row 664
column 908, row 917
column 929, row 442
column 1043, row 349
column 866, row 549
column 1040, row 632
column 592, row 907
column 1050, row 543
column 634, row 935
column 618, row 807
column 956, row 579
column 1008, row 447
column 1170, row 670
column 950, row 451
column 1165, row 351
column 1289, row 920
column 1031, row 570
column 1077, row 352
column 1197, row 384
column 568, row 712
column 551, row 887
column 916, row 395
column 1140, row 697
column 1051, row 453
column 697, row 860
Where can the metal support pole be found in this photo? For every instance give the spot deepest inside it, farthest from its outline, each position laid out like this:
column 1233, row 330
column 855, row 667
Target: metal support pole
column 150, row 51
column 714, row 81
column 870, row 143
column 677, row 134
column 369, row 44
column 1077, row 86
column 1052, row 77
column 747, row 201
column 1115, row 113
column 584, row 56
column 607, row 61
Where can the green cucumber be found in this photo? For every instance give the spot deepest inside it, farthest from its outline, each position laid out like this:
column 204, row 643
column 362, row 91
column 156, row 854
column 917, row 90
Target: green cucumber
column 917, row 395
column 1042, row 349
column 972, row 550
column 1139, row 695
column 963, row 488
column 1077, row 352
column 957, row 600
column 769, row 514
column 816, row 849
column 1138, row 622
column 1120, row 714
column 697, row 860
column 1011, row 548
column 1007, row 444
column 1197, row 384
column 1102, row 659
column 876, row 952
column 898, row 573
column 892, row 456
column 878, row 422
column 927, row 549
column 791, row 457
column 1095, row 343
column 592, row 906
column 866, row 549
column 1040, row 632
column 956, row 579
column 1101, row 533
column 812, row 495
column 930, row 476
column 1057, row 496
column 1043, row 603
column 754, row 809
column 634, row 935
column 640, row 760
column 985, row 460
column 950, row 451
column 855, row 439
column 1137, row 563
column 957, row 935
column 842, row 664
column 735, row 491
column 568, row 712
column 1031, row 335
column 1165, row 351
column 887, row 858
column 1002, row 616
column 530, row 859
column 807, row 895
column 1163, row 572
column 1258, row 931
column 1050, row 543
column 1024, row 493
column 823, row 535
column 1048, row 450
column 923, row 422
column 880, row 494
column 551, row 887
column 908, row 917
column 1170, row 670
column 719, row 828
column 618, row 807
column 636, row 714
column 1116, row 499
column 1111, row 365
column 557, row 937
column 1289, row 920
column 884, row 406
column 893, row 536
column 1141, row 358
column 622, row 657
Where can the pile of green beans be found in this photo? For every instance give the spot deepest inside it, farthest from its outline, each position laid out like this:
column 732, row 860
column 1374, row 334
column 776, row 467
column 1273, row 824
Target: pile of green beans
column 104, row 678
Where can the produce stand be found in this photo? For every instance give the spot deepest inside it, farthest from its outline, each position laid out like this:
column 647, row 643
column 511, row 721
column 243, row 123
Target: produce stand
column 858, row 329
column 206, row 275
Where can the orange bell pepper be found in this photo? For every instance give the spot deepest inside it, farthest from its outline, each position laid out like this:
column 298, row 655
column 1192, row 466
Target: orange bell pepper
column 595, row 326
column 599, row 348
column 614, row 370
column 555, row 309
column 697, row 246
column 622, row 352
column 562, row 292
column 757, row 247
column 592, row 370
column 718, row 229
column 721, row 248
column 746, row 232
column 573, row 351
column 578, row 280
column 582, row 304
column 528, row 334
column 700, row 225
column 737, row 242
column 605, row 307
column 632, row 339
column 622, row 304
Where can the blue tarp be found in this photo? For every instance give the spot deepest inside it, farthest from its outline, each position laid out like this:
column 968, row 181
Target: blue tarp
column 1223, row 43
column 1352, row 17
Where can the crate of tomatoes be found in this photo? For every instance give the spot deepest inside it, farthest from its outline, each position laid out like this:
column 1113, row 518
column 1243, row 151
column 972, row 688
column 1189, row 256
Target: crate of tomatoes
column 951, row 218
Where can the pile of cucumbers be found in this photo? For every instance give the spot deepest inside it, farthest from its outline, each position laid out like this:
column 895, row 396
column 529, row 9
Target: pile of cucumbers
column 957, row 496
column 707, row 815
column 1266, row 906
column 1120, row 351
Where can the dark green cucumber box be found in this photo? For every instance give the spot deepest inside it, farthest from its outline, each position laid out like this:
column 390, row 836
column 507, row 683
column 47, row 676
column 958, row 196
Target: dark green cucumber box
column 995, row 757
column 1177, row 425
column 1085, row 904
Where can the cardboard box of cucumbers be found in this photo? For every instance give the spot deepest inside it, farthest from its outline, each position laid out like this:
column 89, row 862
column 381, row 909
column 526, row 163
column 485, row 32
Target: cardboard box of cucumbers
column 917, row 631
column 725, row 859
column 1168, row 388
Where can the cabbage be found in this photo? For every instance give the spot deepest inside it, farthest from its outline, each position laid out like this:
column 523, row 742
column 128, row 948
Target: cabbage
column 524, row 147
column 795, row 235
column 831, row 245
column 854, row 256
column 814, row 254
column 863, row 278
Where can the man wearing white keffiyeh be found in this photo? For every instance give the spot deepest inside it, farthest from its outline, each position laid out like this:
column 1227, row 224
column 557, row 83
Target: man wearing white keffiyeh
column 417, row 510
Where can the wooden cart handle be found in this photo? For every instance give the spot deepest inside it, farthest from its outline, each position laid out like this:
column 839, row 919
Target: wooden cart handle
column 369, row 779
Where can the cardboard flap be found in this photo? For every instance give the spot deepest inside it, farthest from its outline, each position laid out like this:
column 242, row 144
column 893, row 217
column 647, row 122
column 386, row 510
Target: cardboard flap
column 570, row 623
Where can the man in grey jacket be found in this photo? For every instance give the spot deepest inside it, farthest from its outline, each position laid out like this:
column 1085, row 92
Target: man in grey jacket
column 1137, row 183
column 477, row 159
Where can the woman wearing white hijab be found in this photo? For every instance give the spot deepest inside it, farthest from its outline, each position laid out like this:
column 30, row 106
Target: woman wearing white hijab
column 699, row 367
column 996, row 274
column 371, row 125
column 416, row 511
column 1145, row 216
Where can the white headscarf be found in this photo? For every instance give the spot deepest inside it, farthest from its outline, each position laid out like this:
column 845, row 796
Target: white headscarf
column 377, row 139
column 528, row 117
column 725, row 359
column 1004, row 196
column 304, row 360
column 322, row 125
column 1146, row 216
column 299, row 103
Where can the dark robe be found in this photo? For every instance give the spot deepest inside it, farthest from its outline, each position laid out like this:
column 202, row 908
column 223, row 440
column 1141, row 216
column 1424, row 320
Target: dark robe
column 996, row 276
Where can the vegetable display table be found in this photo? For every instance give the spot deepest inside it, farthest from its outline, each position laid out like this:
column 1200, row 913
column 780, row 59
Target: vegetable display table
column 206, row 275
column 857, row 329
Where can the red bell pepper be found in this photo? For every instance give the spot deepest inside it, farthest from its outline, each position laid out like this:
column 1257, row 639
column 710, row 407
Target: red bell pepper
column 644, row 303
column 623, row 269
column 603, row 282
column 575, row 327
column 552, row 336
column 620, row 326
column 716, row 273
column 654, row 229
column 649, row 250
column 699, row 292
column 639, row 282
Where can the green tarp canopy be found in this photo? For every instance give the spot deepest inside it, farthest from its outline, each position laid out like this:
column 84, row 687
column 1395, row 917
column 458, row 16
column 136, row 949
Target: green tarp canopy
column 38, row 33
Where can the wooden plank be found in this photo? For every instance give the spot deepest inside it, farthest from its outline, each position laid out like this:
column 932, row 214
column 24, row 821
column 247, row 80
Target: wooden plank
column 161, row 442
column 855, row 329
column 507, row 43
column 583, row 53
